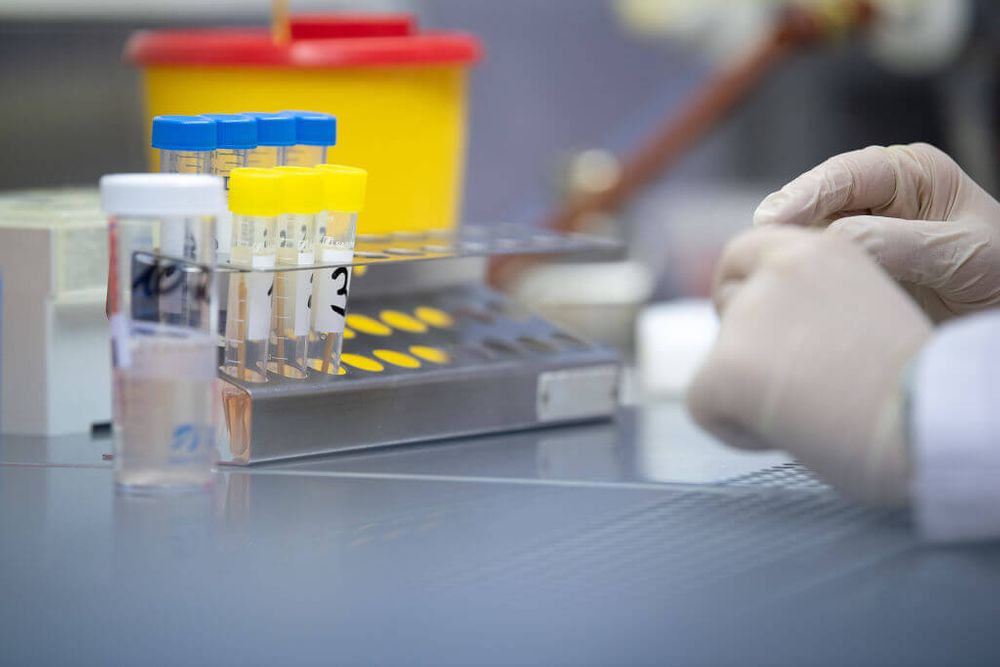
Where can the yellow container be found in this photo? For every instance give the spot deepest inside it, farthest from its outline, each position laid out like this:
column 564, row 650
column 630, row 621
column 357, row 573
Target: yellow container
column 399, row 97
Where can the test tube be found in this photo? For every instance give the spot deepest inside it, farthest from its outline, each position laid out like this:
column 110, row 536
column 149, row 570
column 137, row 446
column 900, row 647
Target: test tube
column 343, row 198
column 275, row 134
column 163, row 366
column 302, row 191
column 314, row 133
column 255, row 199
column 236, row 137
column 186, row 143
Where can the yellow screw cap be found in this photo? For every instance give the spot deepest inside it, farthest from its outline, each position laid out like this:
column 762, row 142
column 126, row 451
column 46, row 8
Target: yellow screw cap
column 343, row 187
column 255, row 192
column 303, row 190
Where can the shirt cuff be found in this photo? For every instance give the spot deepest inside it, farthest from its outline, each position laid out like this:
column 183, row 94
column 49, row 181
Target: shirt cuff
column 955, row 432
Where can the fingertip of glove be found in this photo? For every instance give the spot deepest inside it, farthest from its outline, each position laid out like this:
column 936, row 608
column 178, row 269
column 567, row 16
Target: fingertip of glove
column 772, row 210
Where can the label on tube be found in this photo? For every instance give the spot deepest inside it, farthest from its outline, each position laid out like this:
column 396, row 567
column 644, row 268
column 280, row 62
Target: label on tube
column 303, row 292
column 260, row 286
column 224, row 233
column 331, row 287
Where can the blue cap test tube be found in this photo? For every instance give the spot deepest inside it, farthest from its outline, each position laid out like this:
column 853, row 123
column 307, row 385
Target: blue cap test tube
column 275, row 135
column 186, row 143
column 314, row 133
column 236, row 137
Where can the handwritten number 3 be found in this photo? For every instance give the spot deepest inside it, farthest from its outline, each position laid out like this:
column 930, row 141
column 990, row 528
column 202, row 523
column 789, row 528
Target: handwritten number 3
column 340, row 272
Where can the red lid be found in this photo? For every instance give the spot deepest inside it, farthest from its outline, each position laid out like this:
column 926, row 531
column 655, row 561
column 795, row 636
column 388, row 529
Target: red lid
column 329, row 40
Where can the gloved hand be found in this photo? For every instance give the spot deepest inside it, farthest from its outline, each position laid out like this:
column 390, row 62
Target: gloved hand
column 915, row 211
column 813, row 342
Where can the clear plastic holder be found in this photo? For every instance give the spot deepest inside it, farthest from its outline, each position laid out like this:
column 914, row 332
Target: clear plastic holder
column 272, row 274
column 163, row 313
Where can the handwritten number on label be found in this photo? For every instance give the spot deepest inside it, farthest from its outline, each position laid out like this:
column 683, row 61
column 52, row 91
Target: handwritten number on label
column 340, row 272
column 160, row 279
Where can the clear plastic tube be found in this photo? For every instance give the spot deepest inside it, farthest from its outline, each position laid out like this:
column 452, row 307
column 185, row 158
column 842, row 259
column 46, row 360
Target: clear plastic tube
column 335, row 237
column 249, row 298
column 227, row 159
column 302, row 155
column 185, row 162
column 266, row 157
column 224, row 161
column 162, row 318
column 293, row 295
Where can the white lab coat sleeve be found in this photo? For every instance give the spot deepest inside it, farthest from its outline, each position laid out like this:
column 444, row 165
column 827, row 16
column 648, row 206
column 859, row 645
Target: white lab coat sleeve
column 955, row 431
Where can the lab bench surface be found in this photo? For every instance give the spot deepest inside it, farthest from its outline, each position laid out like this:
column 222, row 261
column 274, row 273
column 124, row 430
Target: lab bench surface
column 638, row 541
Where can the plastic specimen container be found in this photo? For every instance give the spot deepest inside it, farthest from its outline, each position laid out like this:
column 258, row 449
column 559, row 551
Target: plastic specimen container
column 162, row 313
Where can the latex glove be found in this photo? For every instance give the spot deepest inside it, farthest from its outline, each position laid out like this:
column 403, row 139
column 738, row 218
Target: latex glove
column 813, row 342
column 915, row 211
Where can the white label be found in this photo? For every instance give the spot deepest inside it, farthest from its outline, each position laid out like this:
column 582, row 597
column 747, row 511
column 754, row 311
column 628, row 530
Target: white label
column 260, row 286
column 120, row 340
column 303, row 290
column 330, row 287
column 224, row 233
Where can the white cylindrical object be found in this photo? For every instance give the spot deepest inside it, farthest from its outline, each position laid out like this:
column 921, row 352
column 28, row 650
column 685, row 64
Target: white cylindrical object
column 162, row 313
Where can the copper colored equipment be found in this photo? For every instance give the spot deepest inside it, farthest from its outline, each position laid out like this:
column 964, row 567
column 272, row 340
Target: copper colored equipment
column 797, row 29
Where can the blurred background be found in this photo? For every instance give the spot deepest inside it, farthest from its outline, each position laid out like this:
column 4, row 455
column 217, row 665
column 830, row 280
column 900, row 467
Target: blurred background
column 565, row 87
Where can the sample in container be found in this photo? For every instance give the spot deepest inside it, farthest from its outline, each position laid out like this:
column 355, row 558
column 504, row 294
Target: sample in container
column 255, row 199
column 315, row 133
column 302, row 192
column 186, row 143
column 343, row 198
column 275, row 135
column 162, row 313
column 235, row 138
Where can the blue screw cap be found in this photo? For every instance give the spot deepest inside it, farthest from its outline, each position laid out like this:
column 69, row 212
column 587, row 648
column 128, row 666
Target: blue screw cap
column 235, row 131
column 184, row 133
column 274, row 129
column 313, row 128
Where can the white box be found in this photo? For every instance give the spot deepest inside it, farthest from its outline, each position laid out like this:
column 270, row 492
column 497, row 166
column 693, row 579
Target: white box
column 56, row 363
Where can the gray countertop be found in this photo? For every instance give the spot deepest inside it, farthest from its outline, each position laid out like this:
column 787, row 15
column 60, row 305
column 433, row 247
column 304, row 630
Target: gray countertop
column 634, row 541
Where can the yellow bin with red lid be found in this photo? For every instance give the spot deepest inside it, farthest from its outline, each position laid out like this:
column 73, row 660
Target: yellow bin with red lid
column 399, row 95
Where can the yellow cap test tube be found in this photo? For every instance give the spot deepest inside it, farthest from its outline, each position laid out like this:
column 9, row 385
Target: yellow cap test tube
column 343, row 198
column 302, row 201
column 255, row 199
